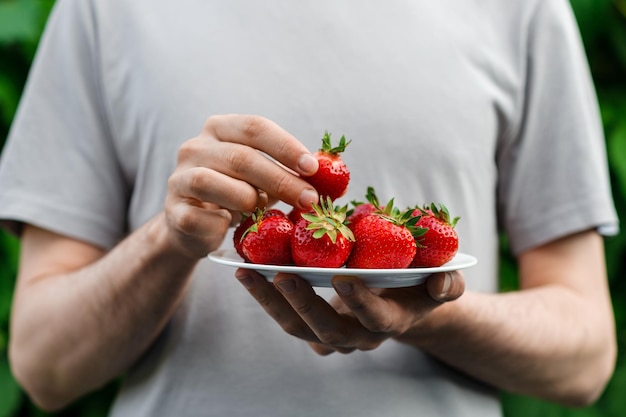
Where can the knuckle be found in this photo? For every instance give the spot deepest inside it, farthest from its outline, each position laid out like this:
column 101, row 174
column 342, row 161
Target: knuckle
column 381, row 325
column 173, row 181
column 239, row 159
column 325, row 351
column 332, row 338
column 186, row 151
column 265, row 300
column 294, row 329
column 254, row 126
column 304, row 308
column 185, row 221
column 282, row 185
column 196, row 182
column 210, row 122
column 370, row 345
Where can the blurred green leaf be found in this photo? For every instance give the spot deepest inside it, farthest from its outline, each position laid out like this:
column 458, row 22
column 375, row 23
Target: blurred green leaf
column 10, row 393
column 616, row 30
column 508, row 267
column 591, row 16
column 8, row 271
column 620, row 5
column 9, row 96
column 19, row 20
column 614, row 400
column 616, row 146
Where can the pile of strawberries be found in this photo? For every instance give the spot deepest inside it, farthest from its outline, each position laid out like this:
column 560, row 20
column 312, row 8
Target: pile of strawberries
column 367, row 235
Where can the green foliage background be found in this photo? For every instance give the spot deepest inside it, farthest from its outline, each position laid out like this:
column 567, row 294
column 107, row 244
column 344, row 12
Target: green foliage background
column 603, row 26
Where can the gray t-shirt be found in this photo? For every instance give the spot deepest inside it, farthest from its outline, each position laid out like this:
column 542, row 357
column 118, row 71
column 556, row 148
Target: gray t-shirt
column 487, row 108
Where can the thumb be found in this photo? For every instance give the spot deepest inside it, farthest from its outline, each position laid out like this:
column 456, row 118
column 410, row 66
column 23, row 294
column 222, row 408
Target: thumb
column 445, row 286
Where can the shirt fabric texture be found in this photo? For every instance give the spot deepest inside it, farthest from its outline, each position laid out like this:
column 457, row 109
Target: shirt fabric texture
column 487, row 107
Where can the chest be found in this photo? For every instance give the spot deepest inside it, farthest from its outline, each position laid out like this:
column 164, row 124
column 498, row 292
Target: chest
column 422, row 94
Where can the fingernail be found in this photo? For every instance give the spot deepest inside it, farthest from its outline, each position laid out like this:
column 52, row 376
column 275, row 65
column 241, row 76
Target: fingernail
column 286, row 286
column 262, row 199
column 343, row 288
column 307, row 197
column 447, row 281
column 245, row 278
column 307, row 164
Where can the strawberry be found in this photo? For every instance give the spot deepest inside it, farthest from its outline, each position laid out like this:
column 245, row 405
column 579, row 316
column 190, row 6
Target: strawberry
column 362, row 209
column 440, row 242
column 240, row 230
column 332, row 176
column 322, row 239
column 268, row 240
column 246, row 221
column 384, row 240
column 296, row 214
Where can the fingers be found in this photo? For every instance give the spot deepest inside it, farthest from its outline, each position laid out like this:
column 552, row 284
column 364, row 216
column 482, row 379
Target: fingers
column 203, row 184
column 235, row 144
column 300, row 312
column 396, row 310
column 263, row 134
column 325, row 350
column 359, row 319
column 237, row 155
column 387, row 311
column 275, row 304
column 342, row 332
column 372, row 311
column 196, row 228
column 230, row 174
column 237, row 164
column 445, row 286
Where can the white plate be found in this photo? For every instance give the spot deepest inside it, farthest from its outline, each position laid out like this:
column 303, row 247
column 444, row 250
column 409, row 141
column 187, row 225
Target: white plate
column 321, row 277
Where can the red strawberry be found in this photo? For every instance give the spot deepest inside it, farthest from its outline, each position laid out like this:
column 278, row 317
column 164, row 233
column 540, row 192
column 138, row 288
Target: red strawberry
column 383, row 240
column 296, row 214
column 322, row 239
column 333, row 176
column 268, row 240
column 246, row 221
column 440, row 242
column 362, row 209
column 240, row 230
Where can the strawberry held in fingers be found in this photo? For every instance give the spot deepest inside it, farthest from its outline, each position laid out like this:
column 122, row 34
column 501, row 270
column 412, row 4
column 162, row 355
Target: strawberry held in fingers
column 440, row 242
column 332, row 176
column 383, row 240
column 268, row 239
column 321, row 239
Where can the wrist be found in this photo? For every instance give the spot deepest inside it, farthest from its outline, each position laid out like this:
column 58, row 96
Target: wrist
column 441, row 325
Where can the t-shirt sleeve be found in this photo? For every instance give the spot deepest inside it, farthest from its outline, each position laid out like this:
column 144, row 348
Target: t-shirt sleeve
column 553, row 171
column 59, row 168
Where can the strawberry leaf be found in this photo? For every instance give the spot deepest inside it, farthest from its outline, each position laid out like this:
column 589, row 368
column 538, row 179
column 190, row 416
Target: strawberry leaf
column 328, row 148
column 328, row 220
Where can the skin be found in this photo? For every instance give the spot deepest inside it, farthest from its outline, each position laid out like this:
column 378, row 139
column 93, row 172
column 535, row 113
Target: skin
column 81, row 315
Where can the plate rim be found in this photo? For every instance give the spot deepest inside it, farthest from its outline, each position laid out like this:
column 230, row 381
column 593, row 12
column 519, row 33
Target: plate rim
column 217, row 256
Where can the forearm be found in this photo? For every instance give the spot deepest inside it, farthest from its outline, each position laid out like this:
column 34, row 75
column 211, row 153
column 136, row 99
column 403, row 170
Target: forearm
column 73, row 332
column 546, row 342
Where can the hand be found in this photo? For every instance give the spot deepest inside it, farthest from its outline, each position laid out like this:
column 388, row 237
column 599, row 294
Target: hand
column 225, row 170
column 358, row 318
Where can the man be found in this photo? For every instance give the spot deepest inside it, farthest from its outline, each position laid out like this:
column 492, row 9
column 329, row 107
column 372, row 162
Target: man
column 488, row 110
